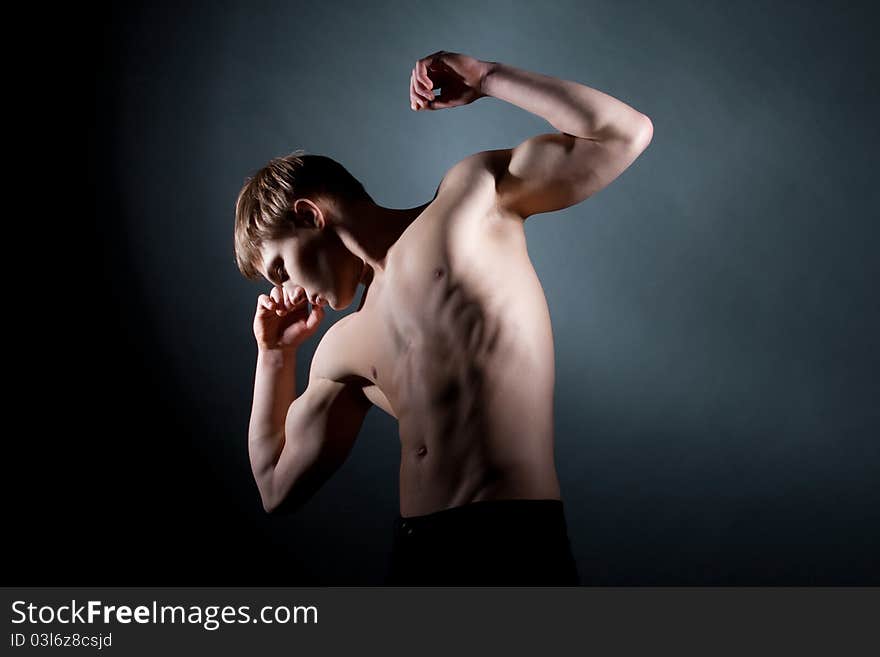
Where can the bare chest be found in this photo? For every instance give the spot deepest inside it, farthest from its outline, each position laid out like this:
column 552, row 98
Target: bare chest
column 457, row 317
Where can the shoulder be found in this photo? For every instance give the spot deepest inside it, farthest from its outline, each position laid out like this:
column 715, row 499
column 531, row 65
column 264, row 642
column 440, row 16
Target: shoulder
column 467, row 168
column 475, row 176
column 493, row 162
column 335, row 355
column 492, row 167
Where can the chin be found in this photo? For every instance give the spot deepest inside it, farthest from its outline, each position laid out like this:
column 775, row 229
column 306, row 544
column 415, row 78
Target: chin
column 342, row 305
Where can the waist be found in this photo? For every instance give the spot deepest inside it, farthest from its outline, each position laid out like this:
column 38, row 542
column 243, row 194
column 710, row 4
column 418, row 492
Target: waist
column 507, row 517
column 425, row 490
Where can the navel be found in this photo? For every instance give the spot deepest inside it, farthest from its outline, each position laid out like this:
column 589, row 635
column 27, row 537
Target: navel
column 374, row 372
column 421, row 451
column 438, row 272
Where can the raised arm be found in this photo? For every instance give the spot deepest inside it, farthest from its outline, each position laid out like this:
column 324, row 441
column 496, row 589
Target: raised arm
column 599, row 136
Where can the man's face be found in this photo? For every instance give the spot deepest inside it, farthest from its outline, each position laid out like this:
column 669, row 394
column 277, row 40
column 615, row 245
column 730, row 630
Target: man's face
column 312, row 264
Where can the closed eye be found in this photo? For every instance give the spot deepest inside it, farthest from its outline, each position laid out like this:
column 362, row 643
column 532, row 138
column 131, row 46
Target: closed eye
column 278, row 271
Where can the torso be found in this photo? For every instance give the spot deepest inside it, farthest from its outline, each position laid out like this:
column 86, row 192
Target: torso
column 454, row 340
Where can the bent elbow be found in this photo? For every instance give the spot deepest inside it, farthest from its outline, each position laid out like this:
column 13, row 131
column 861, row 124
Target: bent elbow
column 644, row 134
column 279, row 506
column 270, row 506
column 270, row 499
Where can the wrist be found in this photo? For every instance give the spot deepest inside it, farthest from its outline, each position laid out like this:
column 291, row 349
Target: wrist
column 275, row 355
column 486, row 69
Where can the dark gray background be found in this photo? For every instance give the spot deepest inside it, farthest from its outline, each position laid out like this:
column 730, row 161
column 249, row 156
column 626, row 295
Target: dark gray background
column 713, row 309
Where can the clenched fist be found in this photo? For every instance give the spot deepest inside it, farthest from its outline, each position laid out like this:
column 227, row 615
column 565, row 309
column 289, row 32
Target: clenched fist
column 459, row 77
column 283, row 324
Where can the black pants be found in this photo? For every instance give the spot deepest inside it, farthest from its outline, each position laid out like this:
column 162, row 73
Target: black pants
column 488, row 543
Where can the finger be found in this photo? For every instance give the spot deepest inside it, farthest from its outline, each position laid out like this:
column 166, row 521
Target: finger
column 265, row 303
column 416, row 100
column 277, row 295
column 299, row 296
column 314, row 317
column 412, row 93
column 423, row 77
column 422, row 87
column 425, row 96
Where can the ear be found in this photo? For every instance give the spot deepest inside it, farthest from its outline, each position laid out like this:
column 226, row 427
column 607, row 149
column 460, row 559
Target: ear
column 307, row 214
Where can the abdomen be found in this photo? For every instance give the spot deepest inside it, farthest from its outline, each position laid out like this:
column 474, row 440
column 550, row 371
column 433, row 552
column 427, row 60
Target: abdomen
column 474, row 381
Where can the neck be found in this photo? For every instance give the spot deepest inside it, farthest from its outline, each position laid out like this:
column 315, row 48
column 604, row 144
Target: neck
column 370, row 231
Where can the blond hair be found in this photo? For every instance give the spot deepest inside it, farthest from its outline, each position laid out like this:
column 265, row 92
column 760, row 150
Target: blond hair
column 263, row 210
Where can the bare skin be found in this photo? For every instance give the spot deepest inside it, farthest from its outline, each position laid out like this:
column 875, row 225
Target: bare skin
column 453, row 336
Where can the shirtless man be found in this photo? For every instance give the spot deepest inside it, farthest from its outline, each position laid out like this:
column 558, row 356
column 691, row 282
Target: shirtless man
column 452, row 336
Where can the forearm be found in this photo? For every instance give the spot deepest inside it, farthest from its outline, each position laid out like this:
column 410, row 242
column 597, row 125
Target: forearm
column 568, row 106
column 274, row 392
